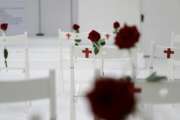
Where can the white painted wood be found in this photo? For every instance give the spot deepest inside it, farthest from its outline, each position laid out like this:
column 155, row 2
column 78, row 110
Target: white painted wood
column 175, row 40
column 166, row 92
column 12, row 43
column 159, row 22
column 175, row 61
column 30, row 89
column 103, row 13
column 72, row 88
column 76, row 54
column 66, row 41
column 158, row 55
column 14, row 40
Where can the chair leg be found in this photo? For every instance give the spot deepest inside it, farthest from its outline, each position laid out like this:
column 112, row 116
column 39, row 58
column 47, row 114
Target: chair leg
column 147, row 112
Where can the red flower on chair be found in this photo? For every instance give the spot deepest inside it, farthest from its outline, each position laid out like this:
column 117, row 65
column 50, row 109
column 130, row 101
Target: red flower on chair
column 116, row 26
column 94, row 36
column 96, row 40
column 68, row 35
column 77, row 39
column 113, row 99
column 4, row 26
column 107, row 36
column 76, row 28
column 127, row 37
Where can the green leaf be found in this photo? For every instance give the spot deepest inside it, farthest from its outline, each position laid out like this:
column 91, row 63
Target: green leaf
column 96, row 49
column 155, row 78
column 78, row 40
column 5, row 53
column 76, row 44
column 102, row 42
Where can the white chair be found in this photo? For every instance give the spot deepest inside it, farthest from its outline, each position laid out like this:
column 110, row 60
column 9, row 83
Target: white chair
column 175, row 40
column 159, row 61
column 79, row 53
column 175, row 63
column 122, row 56
column 18, row 52
column 76, row 53
column 66, row 41
column 157, row 93
column 85, row 53
column 175, row 44
column 30, row 90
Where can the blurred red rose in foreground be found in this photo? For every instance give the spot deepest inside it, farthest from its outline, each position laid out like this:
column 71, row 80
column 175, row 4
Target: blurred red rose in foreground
column 127, row 37
column 94, row 36
column 113, row 99
column 4, row 26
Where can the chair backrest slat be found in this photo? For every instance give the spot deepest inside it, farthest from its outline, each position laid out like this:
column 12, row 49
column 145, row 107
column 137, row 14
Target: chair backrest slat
column 14, row 40
column 176, row 56
column 24, row 90
column 160, row 92
column 17, row 46
column 29, row 90
column 175, row 40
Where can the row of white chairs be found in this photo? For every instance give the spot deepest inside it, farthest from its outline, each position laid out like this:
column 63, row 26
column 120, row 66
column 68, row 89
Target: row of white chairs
column 27, row 89
column 77, row 54
column 154, row 93
column 21, row 55
column 157, row 93
column 158, row 55
column 43, row 88
column 107, row 52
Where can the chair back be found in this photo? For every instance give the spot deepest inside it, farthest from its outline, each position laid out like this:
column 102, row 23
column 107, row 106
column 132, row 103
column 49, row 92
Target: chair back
column 175, row 40
column 161, row 60
column 165, row 92
column 68, row 38
column 12, row 91
column 18, row 52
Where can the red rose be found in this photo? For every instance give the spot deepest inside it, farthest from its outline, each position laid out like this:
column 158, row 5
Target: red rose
column 4, row 26
column 94, row 36
column 112, row 99
column 76, row 27
column 116, row 25
column 127, row 37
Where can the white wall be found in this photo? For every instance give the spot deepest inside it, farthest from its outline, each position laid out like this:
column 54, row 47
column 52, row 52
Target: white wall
column 56, row 14
column 100, row 14
column 161, row 18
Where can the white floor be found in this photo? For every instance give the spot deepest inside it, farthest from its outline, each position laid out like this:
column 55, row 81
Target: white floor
column 42, row 61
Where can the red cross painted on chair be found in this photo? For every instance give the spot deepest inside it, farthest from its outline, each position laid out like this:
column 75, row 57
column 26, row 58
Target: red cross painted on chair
column 87, row 52
column 68, row 35
column 168, row 52
column 107, row 36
